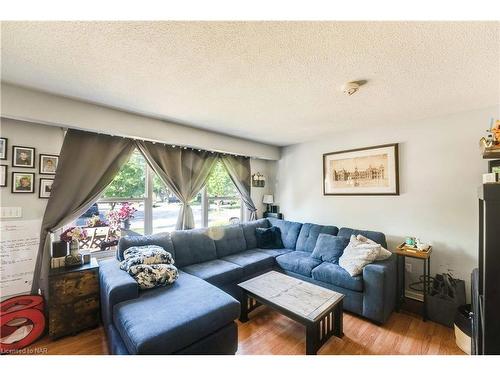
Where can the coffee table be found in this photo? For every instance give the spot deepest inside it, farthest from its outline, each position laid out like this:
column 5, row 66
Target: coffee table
column 318, row 308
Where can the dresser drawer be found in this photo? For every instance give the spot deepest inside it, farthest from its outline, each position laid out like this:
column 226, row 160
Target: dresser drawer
column 73, row 286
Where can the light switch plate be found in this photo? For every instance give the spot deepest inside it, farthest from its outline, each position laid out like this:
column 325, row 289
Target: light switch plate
column 10, row 212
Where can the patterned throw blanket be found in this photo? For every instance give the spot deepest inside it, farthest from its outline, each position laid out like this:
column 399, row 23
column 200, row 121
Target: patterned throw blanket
column 151, row 266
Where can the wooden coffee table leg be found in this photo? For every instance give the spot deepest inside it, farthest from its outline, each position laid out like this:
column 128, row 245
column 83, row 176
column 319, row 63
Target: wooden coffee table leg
column 312, row 338
column 338, row 323
column 244, row 308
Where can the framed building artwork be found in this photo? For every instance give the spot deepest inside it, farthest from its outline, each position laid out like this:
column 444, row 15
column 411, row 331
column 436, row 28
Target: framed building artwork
column 362, row 171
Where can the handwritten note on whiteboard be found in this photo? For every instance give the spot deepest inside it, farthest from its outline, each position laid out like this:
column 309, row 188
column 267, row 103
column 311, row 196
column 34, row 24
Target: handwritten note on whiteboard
column 19, row 242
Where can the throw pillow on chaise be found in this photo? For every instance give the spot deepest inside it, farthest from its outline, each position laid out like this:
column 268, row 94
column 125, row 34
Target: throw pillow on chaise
column 383, row 254
column 149, row 254
column 154, row 275
column 329, row 248
column 269, row 238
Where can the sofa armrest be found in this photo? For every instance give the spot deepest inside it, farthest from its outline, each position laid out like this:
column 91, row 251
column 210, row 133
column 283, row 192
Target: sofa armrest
column 116, row 286
column 379, row 299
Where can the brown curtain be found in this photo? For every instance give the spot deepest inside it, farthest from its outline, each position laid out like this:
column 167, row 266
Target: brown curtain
column 87, row 164
column 238, row 168
column 184, row 171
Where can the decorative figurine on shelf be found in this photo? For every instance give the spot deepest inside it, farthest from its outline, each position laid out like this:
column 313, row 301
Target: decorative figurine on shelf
column 258, row 180
column 73, row 236
column 492, row 142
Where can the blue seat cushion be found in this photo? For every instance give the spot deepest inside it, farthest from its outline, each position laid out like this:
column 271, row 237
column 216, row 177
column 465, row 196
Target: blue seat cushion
column 252, row 261
column 165, row 320
column 229, row 239
column 217, row 272
column 330, row 248
column 249, row 231
column 274, row 252
column 193, row 246
column 309, row 235
column 269, row 238
column 299, row 262
column 289, row 231
column 334, row 274
column 378, row 237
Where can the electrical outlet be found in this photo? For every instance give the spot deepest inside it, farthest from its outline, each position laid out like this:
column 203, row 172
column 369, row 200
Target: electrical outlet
column 408, row 267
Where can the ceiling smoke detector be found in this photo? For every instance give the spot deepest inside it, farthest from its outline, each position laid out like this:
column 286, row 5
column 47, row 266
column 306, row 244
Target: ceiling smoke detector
column 351, row 88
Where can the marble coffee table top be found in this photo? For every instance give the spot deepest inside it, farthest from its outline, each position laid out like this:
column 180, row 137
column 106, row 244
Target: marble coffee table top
column 300, row 297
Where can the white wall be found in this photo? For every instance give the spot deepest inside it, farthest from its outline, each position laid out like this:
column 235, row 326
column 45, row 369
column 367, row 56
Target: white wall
column 440, row 171
column 45, row 140
column 35, row 106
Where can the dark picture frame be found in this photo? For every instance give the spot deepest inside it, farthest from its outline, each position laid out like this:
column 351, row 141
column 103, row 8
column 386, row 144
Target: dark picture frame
column 392, row 174
column 16, row 159
column 3, row 175
column 17, row 190
column 42, row 193
column 42, row 168
column 494, row 166
column 4, row 144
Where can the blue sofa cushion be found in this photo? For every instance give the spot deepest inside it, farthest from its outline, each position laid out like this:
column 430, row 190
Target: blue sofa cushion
column 334, row 274
column 229, row 239
column 274, row 252
column 289, row 231
column 299, row 262
column 249, row 231
column 193, row 246
column 309, row 235
column 169, row 319
column 269, row 238
column 329, row 248
column 160, row 239
column 378, row 237
column 252, row 261
column 217, row 272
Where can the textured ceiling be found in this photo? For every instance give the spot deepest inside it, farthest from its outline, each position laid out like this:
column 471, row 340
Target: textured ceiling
column 276, row 82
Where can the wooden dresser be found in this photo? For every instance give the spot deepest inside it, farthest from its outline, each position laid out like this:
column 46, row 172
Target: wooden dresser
column 73, row 299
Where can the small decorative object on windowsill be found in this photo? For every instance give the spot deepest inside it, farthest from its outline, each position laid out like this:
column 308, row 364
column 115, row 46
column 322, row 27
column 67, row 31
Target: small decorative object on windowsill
column 73, row 236
column 258, row 180
column 268, row 200
column 490, row 145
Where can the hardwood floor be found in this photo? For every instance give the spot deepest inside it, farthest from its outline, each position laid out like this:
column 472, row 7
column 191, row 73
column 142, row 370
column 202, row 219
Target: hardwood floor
column 269, row 332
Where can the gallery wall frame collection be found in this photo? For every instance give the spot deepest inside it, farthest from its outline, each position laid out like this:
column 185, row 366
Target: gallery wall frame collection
column 362, row 171
column 24, row 182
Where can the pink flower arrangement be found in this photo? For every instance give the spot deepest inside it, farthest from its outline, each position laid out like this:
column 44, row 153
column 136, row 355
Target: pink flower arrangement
column 73, row 234
column 126, row 211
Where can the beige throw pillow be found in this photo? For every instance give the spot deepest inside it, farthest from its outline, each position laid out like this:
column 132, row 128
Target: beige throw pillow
column 357, row 255
column 383, row 254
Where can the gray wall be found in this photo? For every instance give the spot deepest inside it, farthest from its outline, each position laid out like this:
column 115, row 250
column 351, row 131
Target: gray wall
column 440, row 171
column 45, row 140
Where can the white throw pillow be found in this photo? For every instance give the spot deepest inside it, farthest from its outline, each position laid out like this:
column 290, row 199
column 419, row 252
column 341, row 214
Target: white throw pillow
column 383, row 254
column 357, row 255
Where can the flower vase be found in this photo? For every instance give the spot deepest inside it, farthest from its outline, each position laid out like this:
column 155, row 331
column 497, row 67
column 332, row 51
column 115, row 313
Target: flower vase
column 74, row 258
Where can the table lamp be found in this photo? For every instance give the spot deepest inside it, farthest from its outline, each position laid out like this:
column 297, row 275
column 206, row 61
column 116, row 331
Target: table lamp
column 269, row 200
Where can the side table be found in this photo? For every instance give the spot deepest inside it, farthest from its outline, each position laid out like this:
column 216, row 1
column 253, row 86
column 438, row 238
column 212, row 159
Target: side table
column 73, row 299
column 425, row 256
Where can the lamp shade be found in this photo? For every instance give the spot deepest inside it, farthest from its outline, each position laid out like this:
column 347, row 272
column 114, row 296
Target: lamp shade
column 268, row 199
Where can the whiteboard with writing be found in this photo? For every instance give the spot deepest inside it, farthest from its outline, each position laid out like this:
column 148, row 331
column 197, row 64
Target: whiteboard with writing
column 19, row 242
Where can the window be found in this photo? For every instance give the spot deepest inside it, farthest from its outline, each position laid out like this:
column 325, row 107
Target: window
column 224, row 201
column 156, row 207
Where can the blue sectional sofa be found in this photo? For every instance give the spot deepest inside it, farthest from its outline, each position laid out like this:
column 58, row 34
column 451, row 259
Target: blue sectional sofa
column 196, row 314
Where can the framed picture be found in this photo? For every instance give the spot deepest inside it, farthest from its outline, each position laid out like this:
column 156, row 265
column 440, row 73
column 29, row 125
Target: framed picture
column 48, row 163
column 23, row 182
column 23, row 157
column 3, row 148
column 45, row 188
column 3, row 175
column 362, row 171
column 494, row 166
